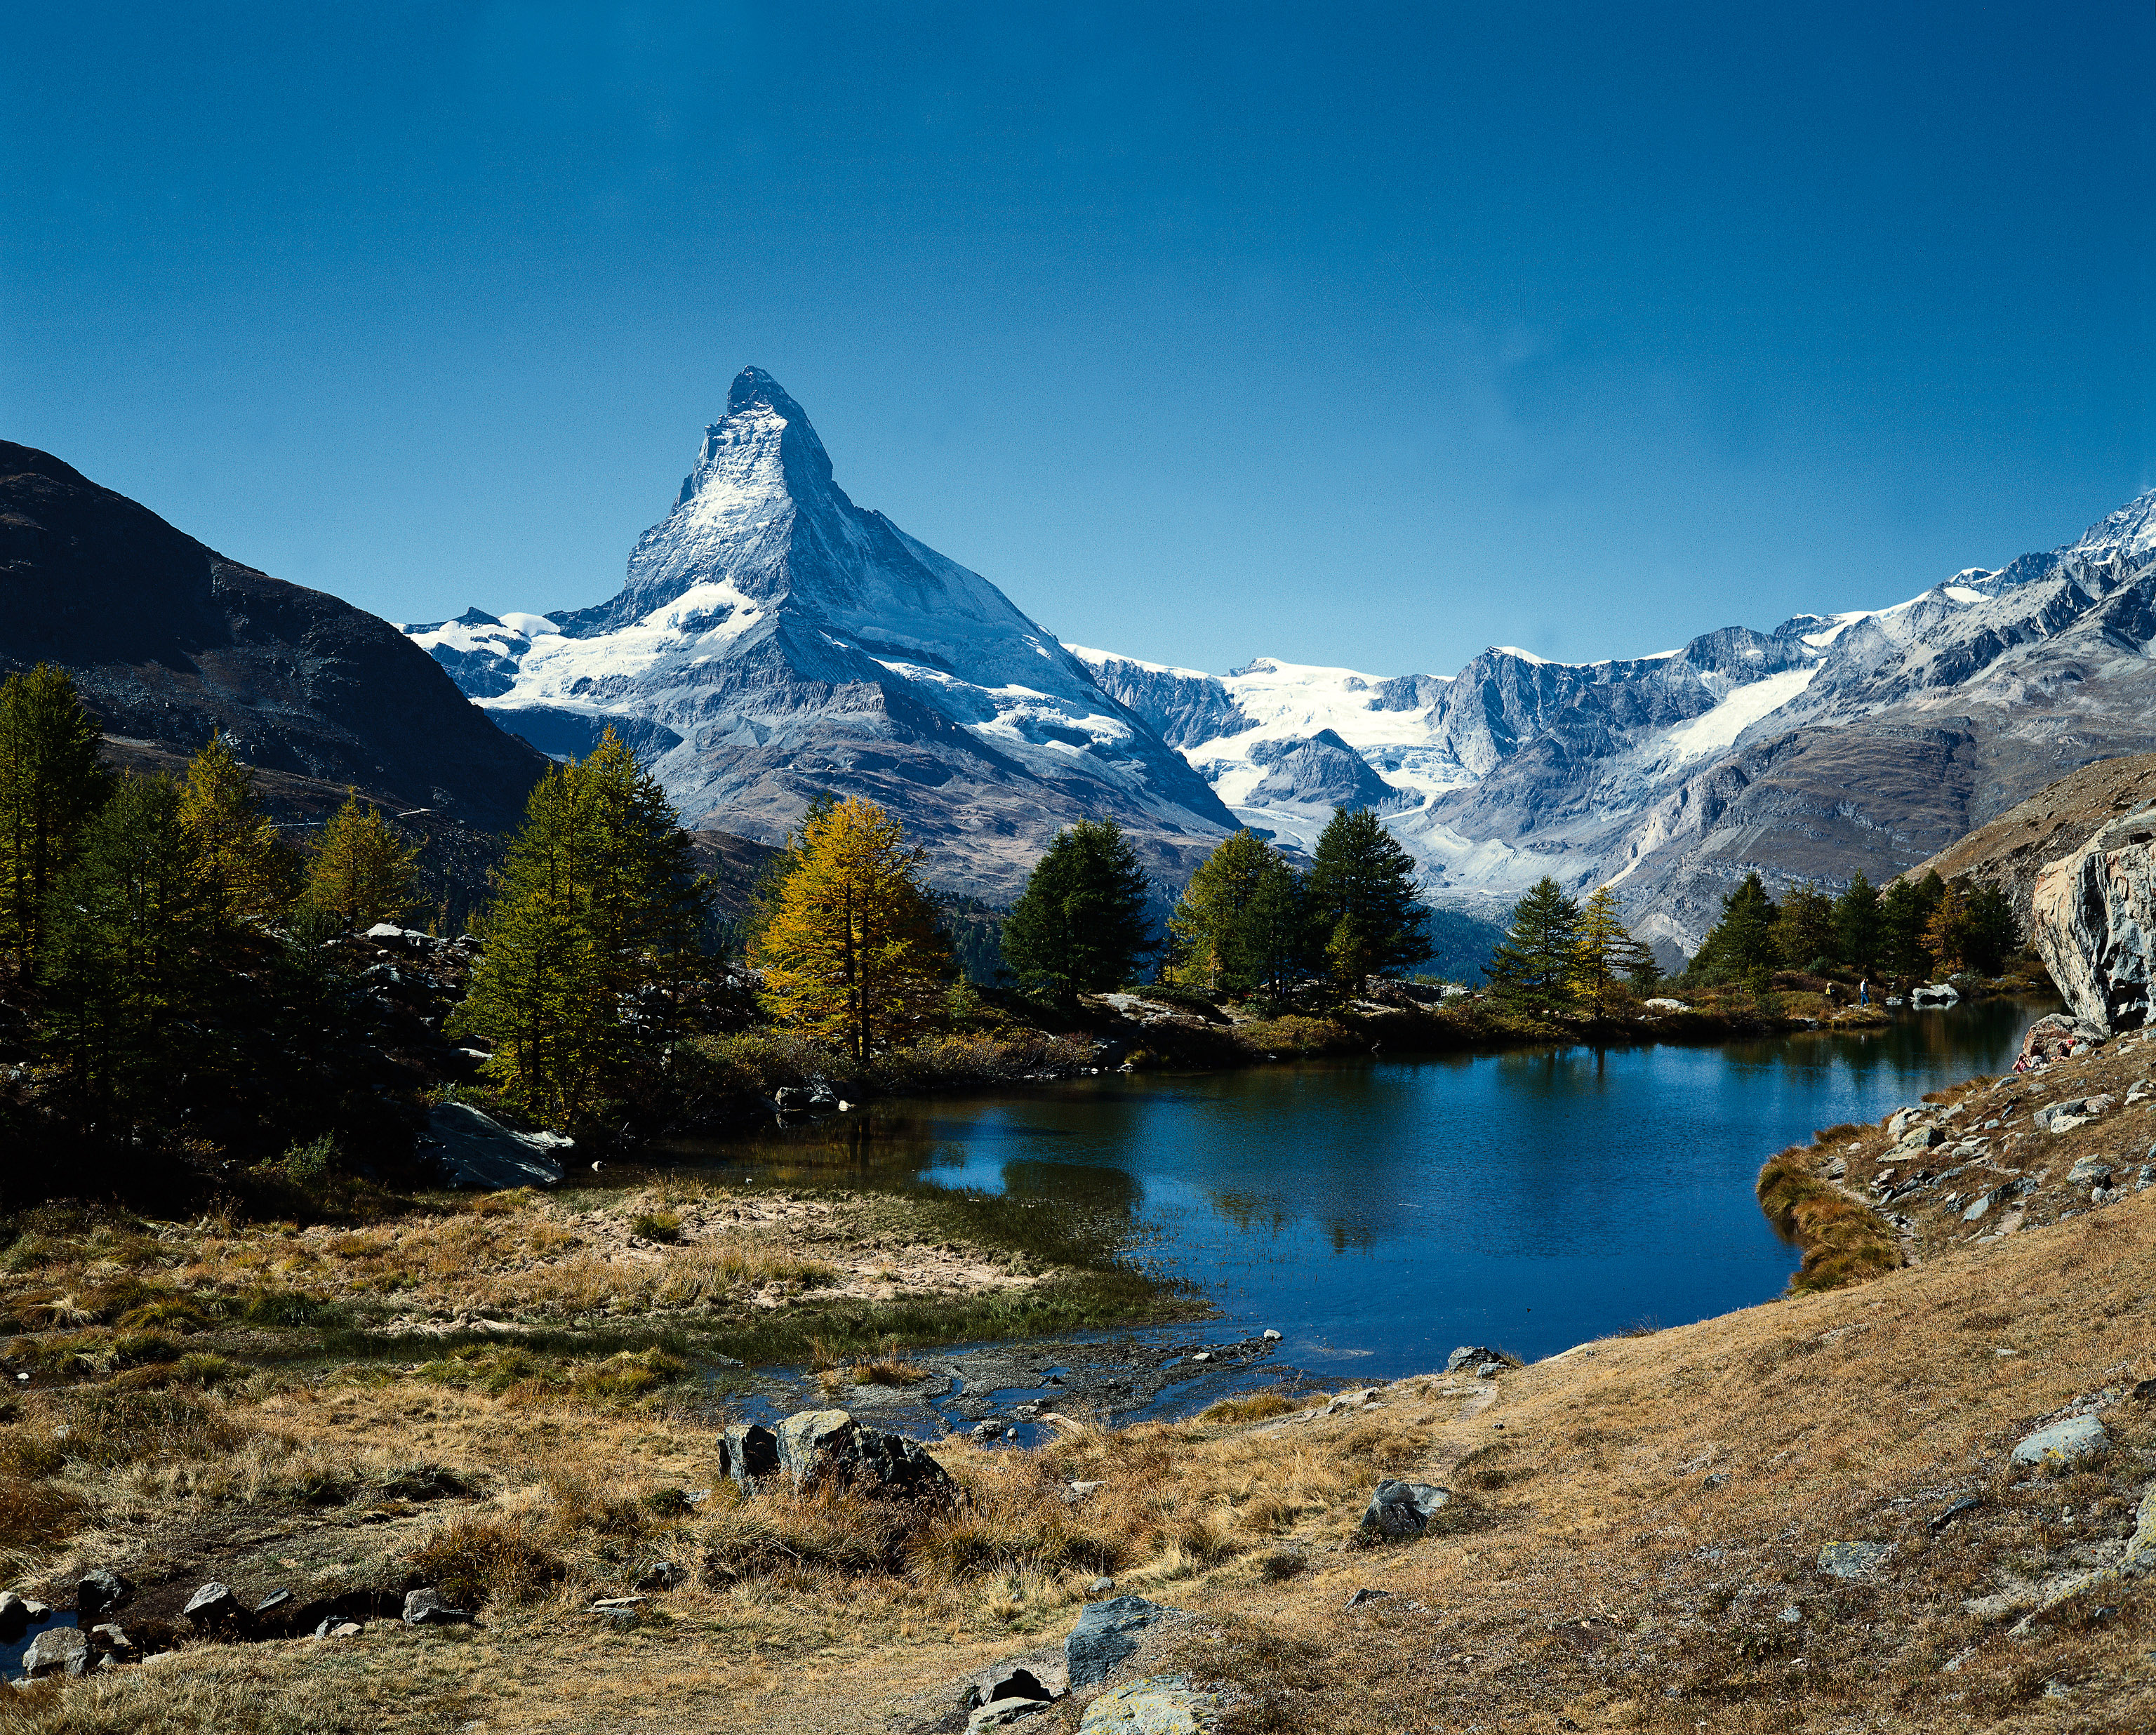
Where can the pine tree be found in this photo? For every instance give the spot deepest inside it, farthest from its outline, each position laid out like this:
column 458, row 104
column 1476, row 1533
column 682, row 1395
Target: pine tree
column 1534, row 969
column 51, row 786
column 1080, row 923
column 1993, row 933
column 1804, row 929
column 1361, row 894
column 1607, row 954
column 125, row 966
column 593, row 940
column 852, row 953
column 366, row 873
column 251, row 876
column 1208, row 918
column 1858, row 927
column 1271, row 945
column 1741, row 946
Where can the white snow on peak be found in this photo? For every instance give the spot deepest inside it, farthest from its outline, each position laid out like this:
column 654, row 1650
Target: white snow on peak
column 1961, row 593
column 532, row 626
column 1514, row 650
column 1095, row 659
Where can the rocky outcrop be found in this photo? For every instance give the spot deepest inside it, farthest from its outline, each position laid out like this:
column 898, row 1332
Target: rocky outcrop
column 828, row 1449
column 476, row 1150
column 2094, row 916
column 1106, row 1636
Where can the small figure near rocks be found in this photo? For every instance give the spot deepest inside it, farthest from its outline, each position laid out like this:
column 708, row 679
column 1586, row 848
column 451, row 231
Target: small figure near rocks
column 1403, row 1509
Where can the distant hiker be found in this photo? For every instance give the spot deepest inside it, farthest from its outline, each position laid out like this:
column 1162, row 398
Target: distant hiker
column 1864, row 993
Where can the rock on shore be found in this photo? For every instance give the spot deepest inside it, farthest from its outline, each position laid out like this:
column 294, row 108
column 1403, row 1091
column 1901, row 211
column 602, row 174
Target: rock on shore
column 2094, row 917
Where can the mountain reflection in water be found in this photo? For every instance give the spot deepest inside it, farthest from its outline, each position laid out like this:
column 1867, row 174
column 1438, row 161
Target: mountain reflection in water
column 1381, row 1212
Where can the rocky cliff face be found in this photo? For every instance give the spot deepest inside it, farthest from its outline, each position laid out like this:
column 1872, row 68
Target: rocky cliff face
column 2095, row 922
column 169, row 641
column 775, row 640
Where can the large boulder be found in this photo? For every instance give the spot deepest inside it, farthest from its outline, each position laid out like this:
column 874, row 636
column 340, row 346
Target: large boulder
column 98, row 1591
column 476, row 1150
column 2066, row 1442
column 828, row 1449
column 1102, row 1637
column 746, row 1454
column 1403, row 1509
column 2094, row 917
column 57, row 1650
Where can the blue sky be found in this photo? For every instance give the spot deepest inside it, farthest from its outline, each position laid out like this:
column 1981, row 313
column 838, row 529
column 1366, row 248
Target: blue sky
column 1351, row 334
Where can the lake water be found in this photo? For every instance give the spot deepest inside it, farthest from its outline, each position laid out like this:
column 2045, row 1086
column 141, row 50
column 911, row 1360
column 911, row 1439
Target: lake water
column 1379, row 1213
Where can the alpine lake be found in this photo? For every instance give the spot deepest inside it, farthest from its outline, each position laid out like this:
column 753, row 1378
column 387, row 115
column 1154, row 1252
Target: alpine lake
column 1377, row 1214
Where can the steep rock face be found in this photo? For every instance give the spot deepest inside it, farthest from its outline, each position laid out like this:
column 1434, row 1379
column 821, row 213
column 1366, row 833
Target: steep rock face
column 2095, row 919
column 1323, row 770
column 169, row 641
column 773, row 640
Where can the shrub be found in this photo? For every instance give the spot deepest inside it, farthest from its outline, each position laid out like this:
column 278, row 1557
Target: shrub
column 1253, row 1408
column 474, row 1559
column 657, row 1226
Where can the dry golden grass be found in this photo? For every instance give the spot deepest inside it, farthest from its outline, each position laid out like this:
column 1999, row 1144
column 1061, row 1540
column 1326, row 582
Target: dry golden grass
column 1844, row 1239
column 1588, row 1571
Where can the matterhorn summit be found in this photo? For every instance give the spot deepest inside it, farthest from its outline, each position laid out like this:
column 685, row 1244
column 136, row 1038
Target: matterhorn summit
column 773, row 640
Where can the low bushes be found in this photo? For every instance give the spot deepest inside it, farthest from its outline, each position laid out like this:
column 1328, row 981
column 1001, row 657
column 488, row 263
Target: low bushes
column 1844, row 1240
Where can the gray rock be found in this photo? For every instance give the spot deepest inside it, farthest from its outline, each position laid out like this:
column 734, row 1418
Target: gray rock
column 57, row 1650
column 275, row 1600
column 828, row 1448
column 1014, row 1681
column 663, row 1575
column 2066, row 1442
column 1919, row 1138
column 98, row 1591
column 2105, row 1195
column 1102, row 1637
column 478, row 1151
column 1272, row 1337
column 1792, row 1615
column 998, row 1712
column 14, row 1614
column 1403, row 1509
column 2089, row 1172
column 1853, row 1560
column 746, row 1453
column 107, row 1636
column 2094, row 918
column 1157, row 1705
column 1364, row 1597
column 213, row 1605
column 1490, row 1370
column 425, row 1608
column 1100, row 1587
column 1936, row 993
column 1473, row 1356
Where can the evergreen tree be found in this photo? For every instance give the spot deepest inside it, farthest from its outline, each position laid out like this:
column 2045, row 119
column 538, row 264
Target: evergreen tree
column 1606, row 953
column 1271, row 945
column 1741, row 946
column 51, row 786
column 1535, row 968
column 1208, row 919
column 1993, row 934
column 1361, row 895
column 852, row 954
column 365, row 872
column 1946, row 930
column 124, row 964
column 1804, row 930
column 1859, row 926
column 593, row 938
column 1905, row 914
column 1080, row 923
column 250, row 875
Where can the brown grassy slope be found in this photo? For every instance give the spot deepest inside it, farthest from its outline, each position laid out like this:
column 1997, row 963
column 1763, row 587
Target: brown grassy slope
column 1635, row 1518
column 2055, row 821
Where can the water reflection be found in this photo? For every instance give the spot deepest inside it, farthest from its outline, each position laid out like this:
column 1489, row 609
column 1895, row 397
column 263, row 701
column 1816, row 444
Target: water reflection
column 1380, row 1212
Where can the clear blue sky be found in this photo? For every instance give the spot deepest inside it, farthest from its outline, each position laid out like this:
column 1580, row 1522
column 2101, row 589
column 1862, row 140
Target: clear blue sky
column 1354, row 334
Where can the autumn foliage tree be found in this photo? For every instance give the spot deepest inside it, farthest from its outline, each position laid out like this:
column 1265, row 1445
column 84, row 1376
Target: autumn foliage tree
column 1606, row 953
column 365, row 872
column 251, row 876
column 851, row 952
